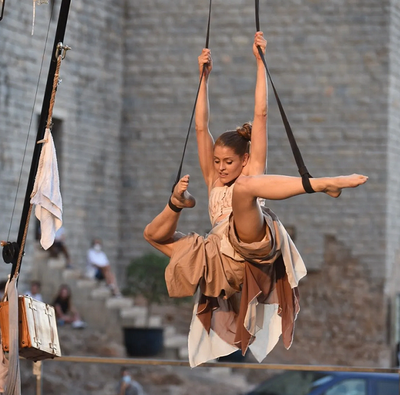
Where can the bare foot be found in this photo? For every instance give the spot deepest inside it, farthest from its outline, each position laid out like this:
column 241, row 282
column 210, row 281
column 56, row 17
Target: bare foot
column 334, row 185
column 181, row 198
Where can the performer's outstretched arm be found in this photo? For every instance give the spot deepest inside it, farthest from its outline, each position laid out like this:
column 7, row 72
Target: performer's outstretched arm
column 259, row 137
column 205, row 141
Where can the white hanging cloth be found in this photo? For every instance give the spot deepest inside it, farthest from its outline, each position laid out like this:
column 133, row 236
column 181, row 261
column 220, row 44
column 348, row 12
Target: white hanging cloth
column 46, row 193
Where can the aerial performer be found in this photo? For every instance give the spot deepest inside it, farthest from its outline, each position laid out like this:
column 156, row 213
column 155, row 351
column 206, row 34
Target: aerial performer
column 245, row 272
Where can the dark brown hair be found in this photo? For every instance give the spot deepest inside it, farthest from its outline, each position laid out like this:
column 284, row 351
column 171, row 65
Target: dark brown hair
column 64, row 303
column 238, row 140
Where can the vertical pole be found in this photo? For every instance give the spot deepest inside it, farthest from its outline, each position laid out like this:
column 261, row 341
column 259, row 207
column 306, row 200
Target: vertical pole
column 2, row 4
column 38, row 372
column 59, row 37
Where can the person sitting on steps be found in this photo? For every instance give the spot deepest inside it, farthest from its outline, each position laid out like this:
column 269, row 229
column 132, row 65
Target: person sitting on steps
column 98, row 260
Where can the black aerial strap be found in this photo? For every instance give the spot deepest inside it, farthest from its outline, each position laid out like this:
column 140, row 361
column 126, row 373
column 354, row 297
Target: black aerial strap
column 305, row 175
column 178, row 176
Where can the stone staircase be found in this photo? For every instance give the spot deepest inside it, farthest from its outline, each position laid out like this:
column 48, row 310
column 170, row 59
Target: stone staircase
column 110, row 315
column 97, row 307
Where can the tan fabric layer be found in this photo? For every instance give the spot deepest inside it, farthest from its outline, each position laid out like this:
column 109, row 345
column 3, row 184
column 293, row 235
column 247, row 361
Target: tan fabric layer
column 197, row 261
column 228, row 285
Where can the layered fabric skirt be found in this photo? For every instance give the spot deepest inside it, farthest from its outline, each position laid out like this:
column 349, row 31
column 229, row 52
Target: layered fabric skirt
column 246, row 294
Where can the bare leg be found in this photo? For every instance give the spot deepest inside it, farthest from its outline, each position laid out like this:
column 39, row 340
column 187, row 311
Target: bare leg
column 64, row 250
column 249, row 224
column 110, row 280
column 161, row 232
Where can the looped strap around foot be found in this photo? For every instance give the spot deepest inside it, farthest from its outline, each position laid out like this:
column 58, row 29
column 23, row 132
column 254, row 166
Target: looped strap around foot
column 173, row 207
column 305, row 179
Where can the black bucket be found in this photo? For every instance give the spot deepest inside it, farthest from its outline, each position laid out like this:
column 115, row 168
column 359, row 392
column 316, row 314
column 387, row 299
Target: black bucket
column 143, row 342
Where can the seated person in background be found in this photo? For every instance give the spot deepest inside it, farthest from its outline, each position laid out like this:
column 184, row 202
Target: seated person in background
column 34, row 292
column 97, row 260
column 66, row 313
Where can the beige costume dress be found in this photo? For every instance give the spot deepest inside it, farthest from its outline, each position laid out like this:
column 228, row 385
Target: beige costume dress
column 246, row 293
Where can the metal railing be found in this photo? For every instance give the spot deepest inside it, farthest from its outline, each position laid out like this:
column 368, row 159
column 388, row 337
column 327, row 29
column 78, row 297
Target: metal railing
column 38, row 366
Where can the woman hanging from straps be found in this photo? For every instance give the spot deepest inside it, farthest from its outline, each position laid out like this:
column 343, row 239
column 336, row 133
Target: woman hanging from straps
column 247, row 269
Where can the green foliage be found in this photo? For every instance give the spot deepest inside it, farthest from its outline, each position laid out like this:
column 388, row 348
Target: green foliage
column 145, row 277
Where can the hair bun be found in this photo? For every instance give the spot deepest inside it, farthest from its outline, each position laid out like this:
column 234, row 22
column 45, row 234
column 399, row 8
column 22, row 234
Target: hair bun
column 245, row 131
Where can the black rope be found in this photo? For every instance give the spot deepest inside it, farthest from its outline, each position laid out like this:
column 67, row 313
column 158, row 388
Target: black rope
column 305, row 175
column 178, row 176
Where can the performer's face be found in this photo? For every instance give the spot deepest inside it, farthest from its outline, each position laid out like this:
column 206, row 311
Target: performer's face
column 228, row 164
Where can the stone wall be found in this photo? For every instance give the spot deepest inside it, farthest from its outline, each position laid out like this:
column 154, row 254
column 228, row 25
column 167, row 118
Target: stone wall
column 125, row 102
column 330, row 63
column 343, row 315
column 393, row 160
column 88, row 104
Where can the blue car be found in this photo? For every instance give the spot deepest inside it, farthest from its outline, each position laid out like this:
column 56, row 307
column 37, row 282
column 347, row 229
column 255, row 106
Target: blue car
column 329, row 383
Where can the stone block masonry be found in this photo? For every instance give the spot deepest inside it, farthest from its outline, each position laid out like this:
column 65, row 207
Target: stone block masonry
column 125, row 102
column 88, row 105
column 330, row 63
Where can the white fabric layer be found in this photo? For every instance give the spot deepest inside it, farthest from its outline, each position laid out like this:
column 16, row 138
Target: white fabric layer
column 204, row 346
column 46, row 193
column 261, row 319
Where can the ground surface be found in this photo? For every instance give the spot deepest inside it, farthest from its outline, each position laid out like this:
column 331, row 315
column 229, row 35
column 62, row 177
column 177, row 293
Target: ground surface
column 65, row 378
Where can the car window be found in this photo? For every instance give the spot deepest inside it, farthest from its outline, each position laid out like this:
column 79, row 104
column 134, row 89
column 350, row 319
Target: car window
column 348, row 387
column 292, row 383
column 387, row 387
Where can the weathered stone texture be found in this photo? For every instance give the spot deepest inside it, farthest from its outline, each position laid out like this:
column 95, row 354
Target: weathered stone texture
column 88, row 102
column 343, row 315
column 330, row 63
column 127, row 94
